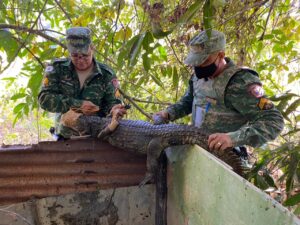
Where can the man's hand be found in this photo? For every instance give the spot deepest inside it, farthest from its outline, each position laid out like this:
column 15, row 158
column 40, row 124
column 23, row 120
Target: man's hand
column 160, row 117
column 89, row 108
column 219, row 141
column 118, row 111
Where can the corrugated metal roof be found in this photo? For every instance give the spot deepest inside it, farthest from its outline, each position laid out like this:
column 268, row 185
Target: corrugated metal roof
column 55, row 168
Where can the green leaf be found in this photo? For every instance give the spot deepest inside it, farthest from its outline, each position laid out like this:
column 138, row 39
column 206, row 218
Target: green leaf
column 261, row 182
column 292, row 107
column 162, row 52
column 18, row 108
column 175, row 77
column 135, row 49
column 297, row 211
column 9, row 44
column 291, row 170
column 140, row 81
column 25, row 110
column 125, row 51
column 158, row 31
column 123, row 34
column 169, row 71
column 208, row 11
column 218, row 3
column 148, row 39
column 283, row 97
column 294, row 200
column 146, row 61
column 34, row 82
column 268, row 36
column 190, row 13
column 269, row 180
column 260, row 46
column 18, row 116
column 279, row 48
column 18, row 96
column 292, row 77
column 157, row 80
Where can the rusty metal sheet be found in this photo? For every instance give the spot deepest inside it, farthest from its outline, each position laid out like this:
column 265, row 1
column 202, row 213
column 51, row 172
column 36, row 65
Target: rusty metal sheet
column 55, row 168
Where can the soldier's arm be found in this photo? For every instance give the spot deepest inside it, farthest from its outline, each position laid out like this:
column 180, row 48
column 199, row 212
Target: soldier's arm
column 265, row 122
column 184, row 106
column 109, row 99
column 51, row 97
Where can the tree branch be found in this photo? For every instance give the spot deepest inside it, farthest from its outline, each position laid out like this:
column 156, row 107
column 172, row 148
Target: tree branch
column 32, row 31
column 257, row 4
column 151, row 102
column 116, row 27
column 24, row 42
column 24, row 45
column 135, row 105
column 267, row 20
column 120, row 70
column 64, row 11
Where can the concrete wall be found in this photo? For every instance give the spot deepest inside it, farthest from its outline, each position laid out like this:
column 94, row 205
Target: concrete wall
column 120, row 206
column 204, row 191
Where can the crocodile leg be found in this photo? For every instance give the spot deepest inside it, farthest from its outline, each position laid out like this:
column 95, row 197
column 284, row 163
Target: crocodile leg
column 154, row 150
column 109, row 128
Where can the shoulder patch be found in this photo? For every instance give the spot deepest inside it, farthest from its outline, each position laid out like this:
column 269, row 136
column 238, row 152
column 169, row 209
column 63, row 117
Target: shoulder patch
column 45, row 81
column 115, row 83
column 49, row 69
column 255, row 90
column 265, row 104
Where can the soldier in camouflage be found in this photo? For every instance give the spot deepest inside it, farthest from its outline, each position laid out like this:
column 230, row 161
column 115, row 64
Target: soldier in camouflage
column 226, row 100
column 80, row 83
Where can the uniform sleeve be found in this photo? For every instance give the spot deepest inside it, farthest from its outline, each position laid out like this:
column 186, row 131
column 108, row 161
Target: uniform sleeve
column 245, row 95
column 50, row 97
column 109, row 99
column 184, row 106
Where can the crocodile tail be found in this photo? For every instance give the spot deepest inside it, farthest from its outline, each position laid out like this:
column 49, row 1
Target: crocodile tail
column 227, row 156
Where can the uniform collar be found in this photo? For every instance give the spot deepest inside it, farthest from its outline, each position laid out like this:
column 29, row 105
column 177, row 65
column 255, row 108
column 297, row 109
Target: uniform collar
column 229, row 63
column 97, row 68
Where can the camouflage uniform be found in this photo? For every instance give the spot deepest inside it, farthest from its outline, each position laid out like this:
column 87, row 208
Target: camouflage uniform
column 61, row 90
column 231, row 103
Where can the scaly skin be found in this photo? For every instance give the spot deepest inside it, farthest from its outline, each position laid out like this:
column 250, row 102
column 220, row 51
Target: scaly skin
column 144, row 138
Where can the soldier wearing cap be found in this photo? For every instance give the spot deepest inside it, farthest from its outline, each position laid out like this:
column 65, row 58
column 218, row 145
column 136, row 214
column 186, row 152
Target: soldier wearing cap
column 225, row 100
column 79, row 82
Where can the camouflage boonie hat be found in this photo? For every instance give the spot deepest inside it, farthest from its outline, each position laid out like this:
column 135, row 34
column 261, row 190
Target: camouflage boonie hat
column 201, row 46
column 78, row 39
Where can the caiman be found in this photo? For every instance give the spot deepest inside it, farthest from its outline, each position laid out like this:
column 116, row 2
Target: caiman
column 145, row 138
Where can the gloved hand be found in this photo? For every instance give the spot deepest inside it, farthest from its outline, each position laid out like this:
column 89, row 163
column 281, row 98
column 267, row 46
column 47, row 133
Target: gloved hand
column 161, row 117
column 118, row 111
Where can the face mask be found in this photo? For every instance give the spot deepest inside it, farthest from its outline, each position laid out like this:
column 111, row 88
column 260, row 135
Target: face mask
column 206, row 71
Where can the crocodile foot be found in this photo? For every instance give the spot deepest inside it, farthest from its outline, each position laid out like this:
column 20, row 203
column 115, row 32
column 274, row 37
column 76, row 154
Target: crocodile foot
column 149, row 177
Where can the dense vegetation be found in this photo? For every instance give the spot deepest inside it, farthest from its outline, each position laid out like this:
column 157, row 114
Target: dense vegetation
column 145, row 42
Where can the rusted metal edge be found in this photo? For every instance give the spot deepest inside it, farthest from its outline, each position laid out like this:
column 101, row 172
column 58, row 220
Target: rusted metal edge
column 55, row 168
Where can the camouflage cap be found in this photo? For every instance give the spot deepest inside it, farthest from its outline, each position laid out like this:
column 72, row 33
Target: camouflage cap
column 78, row 39
column 201, row 46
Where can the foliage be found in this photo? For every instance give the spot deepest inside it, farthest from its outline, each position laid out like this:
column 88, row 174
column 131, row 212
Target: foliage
column 146, row 41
